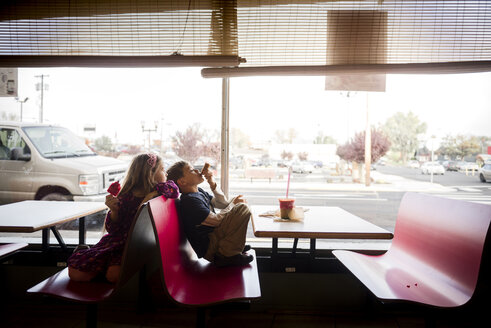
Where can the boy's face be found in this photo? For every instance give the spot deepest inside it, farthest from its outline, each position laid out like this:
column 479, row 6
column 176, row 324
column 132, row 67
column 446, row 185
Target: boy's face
column 190, row 176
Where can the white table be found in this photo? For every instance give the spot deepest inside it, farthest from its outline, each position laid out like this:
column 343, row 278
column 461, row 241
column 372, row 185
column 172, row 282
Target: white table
column 319, row 222
column 35, row 215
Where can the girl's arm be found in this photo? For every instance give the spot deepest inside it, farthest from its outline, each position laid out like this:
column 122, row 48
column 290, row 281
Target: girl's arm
column 113, row 203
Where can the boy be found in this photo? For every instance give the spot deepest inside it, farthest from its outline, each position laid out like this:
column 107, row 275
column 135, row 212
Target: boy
column 219, row 238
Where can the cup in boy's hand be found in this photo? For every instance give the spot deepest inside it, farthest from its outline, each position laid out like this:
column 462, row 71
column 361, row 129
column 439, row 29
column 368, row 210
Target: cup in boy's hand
column 114, row 188
column 205, row 168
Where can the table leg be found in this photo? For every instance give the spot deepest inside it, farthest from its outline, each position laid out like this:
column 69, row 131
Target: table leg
column 274, row 250
column 58, row 238
column 312, row 247
column 45, row 239
column 295, row 243
column 81, row 230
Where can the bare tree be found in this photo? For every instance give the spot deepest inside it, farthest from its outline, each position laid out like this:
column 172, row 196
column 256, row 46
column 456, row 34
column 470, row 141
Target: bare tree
column 188, row 144
column 288, row 155
column 9, row 117
column 354, row 151
column 303, row 155
column 211, row 149
column 286, row 136
column 103, row 143
column 403, row 130
column 322, row 139
column 238, row 139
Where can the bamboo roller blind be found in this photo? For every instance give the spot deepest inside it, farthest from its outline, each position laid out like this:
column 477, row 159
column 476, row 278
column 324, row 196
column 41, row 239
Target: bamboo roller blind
column 266, row 33
column 118, row 28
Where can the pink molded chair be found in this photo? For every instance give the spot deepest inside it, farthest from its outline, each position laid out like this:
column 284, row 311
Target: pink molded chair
column 139, row 249
column 435, row 256
column 191, row 281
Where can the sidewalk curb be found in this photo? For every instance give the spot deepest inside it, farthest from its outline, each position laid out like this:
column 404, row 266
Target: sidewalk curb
column 382, row 182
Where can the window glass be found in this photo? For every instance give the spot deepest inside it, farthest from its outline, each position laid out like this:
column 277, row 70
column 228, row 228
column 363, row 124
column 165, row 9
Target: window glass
column 419, row 125
column 279, row 126
column 94, row 121
column 57, row 142
column 12, row 142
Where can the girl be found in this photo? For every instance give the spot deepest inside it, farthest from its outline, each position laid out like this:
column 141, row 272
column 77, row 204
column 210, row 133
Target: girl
column 144, row 180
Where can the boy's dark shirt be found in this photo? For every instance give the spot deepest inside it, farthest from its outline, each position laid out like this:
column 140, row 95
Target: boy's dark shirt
column 194, row 208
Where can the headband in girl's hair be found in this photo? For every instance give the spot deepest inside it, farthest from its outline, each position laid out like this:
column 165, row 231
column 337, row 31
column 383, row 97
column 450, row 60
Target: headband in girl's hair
column 152, row 159
column 114, row 188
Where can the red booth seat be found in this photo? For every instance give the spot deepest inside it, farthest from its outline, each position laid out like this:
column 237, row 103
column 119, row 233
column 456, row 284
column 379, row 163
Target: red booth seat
column 435, row 256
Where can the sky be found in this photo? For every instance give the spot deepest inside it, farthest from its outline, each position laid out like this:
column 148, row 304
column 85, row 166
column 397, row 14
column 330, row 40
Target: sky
column 117, row 101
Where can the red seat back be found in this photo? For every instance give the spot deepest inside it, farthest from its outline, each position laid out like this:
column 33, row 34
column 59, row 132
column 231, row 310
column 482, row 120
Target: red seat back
column 445, row 235
column 190, row 280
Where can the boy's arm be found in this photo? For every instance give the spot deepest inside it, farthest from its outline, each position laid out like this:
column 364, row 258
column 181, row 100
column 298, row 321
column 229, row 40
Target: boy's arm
column 214, row 220
column 219, row 200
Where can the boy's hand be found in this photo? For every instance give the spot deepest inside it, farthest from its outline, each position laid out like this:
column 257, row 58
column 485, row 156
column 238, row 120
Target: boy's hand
column 208, row 174
column 239, row 199
column 113, row 203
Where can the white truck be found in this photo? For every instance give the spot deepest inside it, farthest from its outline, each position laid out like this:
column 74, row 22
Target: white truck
column 46, row 162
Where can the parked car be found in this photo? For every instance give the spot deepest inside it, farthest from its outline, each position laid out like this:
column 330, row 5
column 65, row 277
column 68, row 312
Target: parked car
column 485, row 172
column 432, row 167
column 452, row 166
column 381, row 162
column 46, row 162
column 302, row 167
column 413, row 164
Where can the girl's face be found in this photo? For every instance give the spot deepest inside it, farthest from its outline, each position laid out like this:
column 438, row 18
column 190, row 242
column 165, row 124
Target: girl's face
column 159, row 175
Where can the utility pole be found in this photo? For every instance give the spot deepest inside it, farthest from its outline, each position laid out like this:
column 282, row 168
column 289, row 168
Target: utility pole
column 149, row 131
column 42, row 76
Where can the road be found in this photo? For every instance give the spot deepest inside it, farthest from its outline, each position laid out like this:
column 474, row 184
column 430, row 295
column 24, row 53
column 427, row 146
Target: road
column 377, row 206
column 449, row 179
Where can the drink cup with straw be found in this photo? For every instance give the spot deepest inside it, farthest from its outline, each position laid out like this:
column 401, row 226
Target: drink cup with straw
column 287, row 204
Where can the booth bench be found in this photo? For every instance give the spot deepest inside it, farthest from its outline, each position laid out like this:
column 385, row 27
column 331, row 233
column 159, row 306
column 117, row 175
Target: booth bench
column 139, row 249
column 194, row 282
column 435, row 257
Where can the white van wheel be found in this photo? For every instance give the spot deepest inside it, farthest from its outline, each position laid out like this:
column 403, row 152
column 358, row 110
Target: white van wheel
column 56, row 197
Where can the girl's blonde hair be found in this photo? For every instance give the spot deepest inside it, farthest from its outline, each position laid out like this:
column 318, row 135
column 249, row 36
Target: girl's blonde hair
column 140, row 174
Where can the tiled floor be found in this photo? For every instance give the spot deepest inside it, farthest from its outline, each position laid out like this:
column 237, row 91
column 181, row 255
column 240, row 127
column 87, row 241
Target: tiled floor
column 56, row 314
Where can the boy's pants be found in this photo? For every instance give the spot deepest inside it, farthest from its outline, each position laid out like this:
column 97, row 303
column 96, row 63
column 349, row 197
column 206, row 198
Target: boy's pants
column 229, row 237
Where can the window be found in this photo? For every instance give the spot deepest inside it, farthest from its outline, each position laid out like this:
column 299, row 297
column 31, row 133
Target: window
column 275, row 123
column 12, row 146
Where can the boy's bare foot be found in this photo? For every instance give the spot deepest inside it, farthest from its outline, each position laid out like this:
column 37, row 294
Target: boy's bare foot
column 235, row 260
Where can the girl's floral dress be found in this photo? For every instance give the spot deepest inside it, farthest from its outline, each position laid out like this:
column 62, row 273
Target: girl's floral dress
column 109, row 250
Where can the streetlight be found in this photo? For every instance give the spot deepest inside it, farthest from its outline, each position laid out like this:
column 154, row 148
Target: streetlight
column 21, row 103
column 149, row 131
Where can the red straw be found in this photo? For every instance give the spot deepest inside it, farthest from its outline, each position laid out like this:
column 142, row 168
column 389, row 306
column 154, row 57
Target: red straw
column 288, row 184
